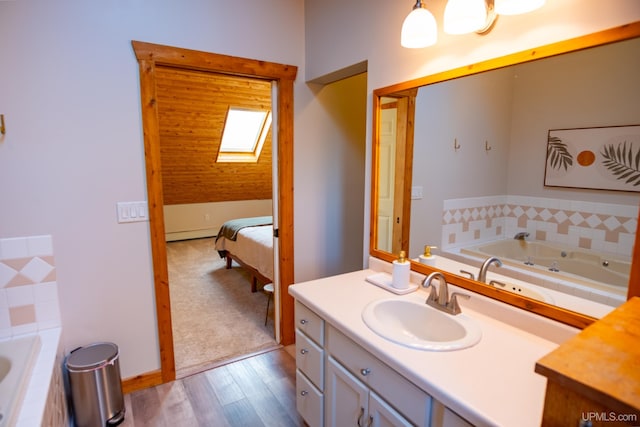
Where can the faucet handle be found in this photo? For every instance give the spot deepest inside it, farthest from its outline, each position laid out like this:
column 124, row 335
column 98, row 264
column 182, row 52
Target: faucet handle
column 468, row 273
column 453, row 305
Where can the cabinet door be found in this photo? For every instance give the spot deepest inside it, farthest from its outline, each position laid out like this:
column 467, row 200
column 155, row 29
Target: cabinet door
column 383, row 415
column 345, row 397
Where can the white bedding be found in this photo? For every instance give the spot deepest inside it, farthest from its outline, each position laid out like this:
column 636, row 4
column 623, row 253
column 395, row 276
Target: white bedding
column 254, row 247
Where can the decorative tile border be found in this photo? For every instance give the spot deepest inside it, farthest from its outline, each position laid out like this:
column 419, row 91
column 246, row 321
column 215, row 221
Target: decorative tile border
column 598, row 226
column 28, row 288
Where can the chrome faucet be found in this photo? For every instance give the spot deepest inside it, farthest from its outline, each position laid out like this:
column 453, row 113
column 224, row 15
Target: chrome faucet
column 521, row 236
column 482, row 274
column 440, row 299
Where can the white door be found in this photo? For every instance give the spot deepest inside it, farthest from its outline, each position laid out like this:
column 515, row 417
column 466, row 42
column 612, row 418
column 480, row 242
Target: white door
column 388, row 119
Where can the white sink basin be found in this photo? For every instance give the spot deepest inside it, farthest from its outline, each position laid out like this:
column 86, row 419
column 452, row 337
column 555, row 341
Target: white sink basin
column 417, row 325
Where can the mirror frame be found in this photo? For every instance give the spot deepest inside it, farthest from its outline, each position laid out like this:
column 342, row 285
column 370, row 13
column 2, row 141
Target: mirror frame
column 408, row 90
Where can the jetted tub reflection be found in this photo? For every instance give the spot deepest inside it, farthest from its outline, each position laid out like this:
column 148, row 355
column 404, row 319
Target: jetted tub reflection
column 556, row 260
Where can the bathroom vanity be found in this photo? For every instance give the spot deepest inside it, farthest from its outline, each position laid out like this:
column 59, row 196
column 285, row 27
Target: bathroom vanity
column 349, row 375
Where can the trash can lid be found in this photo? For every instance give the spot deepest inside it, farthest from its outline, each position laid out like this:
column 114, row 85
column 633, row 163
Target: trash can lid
column 92, row 356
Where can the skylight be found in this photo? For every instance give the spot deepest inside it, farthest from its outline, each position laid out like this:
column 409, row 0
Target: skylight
column 243, row 136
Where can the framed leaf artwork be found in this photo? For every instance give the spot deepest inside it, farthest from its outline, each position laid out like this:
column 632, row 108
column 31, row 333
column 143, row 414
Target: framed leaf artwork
column 603, row 158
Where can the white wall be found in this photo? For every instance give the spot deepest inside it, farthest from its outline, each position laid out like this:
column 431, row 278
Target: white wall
column 194, row 220
column 596, row 87
column 467, row 111
column 74, row 147
column 335, row 201
column 339, row 36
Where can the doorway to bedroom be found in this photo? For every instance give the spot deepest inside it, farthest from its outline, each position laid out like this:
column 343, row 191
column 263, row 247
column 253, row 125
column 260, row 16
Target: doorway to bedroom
column 152, row 58
column 216, row 315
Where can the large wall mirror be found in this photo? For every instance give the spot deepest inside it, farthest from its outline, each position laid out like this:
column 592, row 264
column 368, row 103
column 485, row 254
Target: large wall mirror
column 460, row 159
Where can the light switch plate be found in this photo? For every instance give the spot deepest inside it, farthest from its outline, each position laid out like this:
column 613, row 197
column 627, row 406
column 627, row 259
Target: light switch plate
column 132, row 212
column 416, row 193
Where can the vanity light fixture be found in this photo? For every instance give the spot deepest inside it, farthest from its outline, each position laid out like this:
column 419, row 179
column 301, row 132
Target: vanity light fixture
column 468, row 16
column 516, row 7
column 460, row 17
column 419, row 28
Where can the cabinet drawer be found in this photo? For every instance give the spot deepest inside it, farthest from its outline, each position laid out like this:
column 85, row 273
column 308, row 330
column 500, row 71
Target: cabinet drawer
column 310, row 323
column 403, row 395
column 308, row 401
column 309, row 359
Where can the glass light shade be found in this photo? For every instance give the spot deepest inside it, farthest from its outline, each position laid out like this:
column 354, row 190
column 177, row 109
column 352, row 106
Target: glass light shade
column 419, row 29
column 464, row 16
column 516, row 7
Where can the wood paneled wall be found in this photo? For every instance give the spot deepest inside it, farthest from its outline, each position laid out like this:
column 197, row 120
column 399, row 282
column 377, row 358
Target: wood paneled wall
column 192, row 106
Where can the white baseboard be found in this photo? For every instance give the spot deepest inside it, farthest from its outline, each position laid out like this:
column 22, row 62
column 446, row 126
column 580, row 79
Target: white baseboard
column 192, row 234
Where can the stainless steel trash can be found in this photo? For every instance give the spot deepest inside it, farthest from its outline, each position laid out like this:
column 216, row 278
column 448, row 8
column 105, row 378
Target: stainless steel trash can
column 95, row 385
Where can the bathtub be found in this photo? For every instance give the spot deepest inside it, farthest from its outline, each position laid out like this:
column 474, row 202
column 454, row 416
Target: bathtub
column 17, row 357
column 546, row 258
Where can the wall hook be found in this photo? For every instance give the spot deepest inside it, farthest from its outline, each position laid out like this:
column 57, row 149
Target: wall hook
column 456, row 146
column 3, row 130
column 487, row 147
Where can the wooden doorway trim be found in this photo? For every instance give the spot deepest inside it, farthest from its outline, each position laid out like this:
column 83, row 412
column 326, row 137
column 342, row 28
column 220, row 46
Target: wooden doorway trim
column 149, row 56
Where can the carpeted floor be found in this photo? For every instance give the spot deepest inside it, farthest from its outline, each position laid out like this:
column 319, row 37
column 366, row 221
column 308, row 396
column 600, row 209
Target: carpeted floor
column 215, row 316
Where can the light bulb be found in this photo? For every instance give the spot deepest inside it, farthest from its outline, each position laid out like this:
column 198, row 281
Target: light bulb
column 464, row 16
column 419, row 29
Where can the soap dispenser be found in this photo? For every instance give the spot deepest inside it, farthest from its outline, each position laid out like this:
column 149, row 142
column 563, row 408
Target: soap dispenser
column 401, row 272
column 427, row 258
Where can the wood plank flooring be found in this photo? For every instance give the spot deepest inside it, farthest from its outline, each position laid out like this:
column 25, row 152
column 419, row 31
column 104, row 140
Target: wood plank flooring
column 256, row 391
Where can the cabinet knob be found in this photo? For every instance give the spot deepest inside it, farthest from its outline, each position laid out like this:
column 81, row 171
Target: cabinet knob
column 304, row 351
column 303, row 321
column 304, row 393
column 365, row 371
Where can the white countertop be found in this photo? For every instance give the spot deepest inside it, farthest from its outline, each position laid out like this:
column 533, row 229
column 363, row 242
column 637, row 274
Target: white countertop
column 492, row 383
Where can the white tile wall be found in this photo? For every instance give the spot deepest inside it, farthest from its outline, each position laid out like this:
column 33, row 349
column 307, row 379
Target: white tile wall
column 28, row 289
column 598, row 226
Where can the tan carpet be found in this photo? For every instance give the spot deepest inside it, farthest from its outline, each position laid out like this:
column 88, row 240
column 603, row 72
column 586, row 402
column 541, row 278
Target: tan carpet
column 215, row 316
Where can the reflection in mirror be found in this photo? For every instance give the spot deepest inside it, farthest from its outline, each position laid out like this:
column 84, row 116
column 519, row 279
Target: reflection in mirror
column 479, row 154
column 395, row 147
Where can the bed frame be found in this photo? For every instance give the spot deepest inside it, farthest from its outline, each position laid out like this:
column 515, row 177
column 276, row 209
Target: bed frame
column 256, row 276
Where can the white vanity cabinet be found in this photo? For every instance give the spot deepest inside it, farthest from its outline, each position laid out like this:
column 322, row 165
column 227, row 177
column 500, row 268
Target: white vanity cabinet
column 309, row 365
column 339, row 383
column 349, row 373
column 362, row 390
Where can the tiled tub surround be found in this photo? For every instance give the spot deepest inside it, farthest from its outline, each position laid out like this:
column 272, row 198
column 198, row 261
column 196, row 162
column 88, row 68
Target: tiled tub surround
column 599, row 226
column 605, row 228
column 28, row 288
column 28, row 307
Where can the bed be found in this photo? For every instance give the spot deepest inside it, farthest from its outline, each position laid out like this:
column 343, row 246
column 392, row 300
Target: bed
column 248, row 242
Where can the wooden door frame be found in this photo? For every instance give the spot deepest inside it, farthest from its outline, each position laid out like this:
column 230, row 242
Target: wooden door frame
column 149, row 56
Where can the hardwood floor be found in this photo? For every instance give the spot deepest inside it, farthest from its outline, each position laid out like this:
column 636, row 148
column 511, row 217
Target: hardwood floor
column 256, row 391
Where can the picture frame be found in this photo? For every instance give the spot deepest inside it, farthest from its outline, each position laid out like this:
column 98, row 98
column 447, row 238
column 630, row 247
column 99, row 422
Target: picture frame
column 601, row 158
